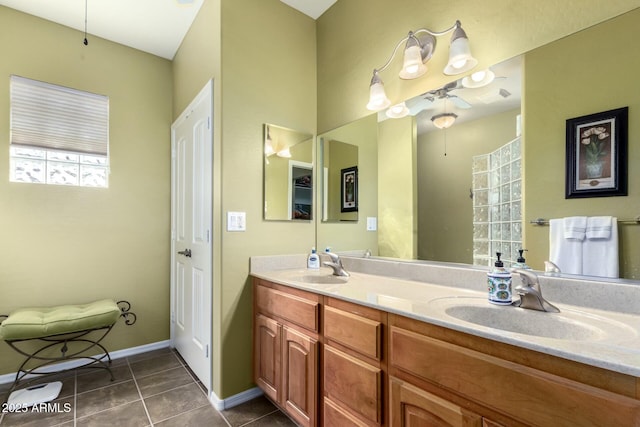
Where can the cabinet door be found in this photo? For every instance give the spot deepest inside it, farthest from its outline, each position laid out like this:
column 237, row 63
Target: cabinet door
column 300, row 376
column 267, row 361
column 413, row 407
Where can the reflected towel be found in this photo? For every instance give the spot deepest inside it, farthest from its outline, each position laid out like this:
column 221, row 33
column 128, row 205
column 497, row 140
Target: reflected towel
column 599, row 227
column 600, row 255
column 575, row 227
column 563, row 252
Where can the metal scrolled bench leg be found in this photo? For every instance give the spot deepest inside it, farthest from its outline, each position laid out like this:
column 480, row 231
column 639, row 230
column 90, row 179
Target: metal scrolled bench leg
column 72, row 330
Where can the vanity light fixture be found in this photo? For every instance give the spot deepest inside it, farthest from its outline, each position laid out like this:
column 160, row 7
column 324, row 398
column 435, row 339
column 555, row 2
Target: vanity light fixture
column 397, row 111
column 444, row 120
column 268, row 144
column 478, row 79
column 285, row 152
column 420, row 46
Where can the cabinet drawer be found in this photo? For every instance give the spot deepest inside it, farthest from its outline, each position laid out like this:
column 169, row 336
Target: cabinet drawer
column 355, row 332
column 292, row 308
column 504, row 385
column 354, row 383
column 335, row 416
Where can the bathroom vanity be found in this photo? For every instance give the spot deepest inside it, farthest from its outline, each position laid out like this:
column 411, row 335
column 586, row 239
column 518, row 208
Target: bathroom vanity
column 390, row 350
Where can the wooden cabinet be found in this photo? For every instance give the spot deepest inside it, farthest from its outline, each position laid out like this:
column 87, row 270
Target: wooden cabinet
column 330, row 362
column 354, row 366
column 286, row 349
column 413, row 407
column 508, row 385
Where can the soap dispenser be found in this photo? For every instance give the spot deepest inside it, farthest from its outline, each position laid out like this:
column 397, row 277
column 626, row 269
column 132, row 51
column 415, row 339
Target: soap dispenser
column 499, row 283
column 521, row 263
column 314, row 260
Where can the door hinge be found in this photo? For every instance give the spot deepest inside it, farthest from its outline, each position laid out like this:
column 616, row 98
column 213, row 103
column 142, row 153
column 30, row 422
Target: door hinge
column 209, row 123
column 207, row 236
column 206, row 351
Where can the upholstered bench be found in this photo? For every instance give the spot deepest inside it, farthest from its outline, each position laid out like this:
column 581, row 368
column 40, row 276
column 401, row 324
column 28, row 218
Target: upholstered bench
column 71, row 329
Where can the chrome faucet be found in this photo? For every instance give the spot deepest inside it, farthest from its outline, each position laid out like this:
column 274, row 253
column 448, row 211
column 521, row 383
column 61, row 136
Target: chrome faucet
column 531, row 294
column 335, row 264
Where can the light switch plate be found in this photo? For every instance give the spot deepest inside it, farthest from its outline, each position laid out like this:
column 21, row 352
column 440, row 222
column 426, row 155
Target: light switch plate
column 236, row 221
column 372, row 223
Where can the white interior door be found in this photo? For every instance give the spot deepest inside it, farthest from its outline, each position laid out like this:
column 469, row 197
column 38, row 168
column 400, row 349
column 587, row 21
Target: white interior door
column 191, row 237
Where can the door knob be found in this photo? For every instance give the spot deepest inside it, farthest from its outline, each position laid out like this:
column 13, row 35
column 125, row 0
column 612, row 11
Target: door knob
column 186, row 252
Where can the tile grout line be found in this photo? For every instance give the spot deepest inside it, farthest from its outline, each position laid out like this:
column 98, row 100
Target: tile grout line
column 183, row 363
column 144, row 405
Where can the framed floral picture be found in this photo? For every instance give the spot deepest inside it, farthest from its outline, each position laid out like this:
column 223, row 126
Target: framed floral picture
column 597, row 155
column 349, row 190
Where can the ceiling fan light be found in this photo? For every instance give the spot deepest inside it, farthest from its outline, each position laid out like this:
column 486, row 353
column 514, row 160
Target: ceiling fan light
column 444, row 120
column 397, row 111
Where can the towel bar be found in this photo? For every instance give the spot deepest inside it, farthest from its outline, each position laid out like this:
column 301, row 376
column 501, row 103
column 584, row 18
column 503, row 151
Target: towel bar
column 634, row 221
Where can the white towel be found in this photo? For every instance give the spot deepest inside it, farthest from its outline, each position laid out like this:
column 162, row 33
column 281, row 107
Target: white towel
column 565, row 253
column 575, row 227
column 600, row 255
column 599, row 227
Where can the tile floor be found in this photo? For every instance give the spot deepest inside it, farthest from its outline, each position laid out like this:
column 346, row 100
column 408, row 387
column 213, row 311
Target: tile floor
column 150, row 389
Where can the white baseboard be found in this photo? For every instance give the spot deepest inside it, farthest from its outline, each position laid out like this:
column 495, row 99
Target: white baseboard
column 234, row 400
column 118, row 354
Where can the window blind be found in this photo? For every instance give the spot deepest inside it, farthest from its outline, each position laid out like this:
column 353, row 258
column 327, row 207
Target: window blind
column 45, row 115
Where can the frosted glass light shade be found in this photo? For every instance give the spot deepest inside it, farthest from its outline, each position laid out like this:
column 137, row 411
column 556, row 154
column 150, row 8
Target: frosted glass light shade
column 397, row 111
column 460, row 59
column 412, row 66
column 443, row 121
column 478, row 79
column 377, row 97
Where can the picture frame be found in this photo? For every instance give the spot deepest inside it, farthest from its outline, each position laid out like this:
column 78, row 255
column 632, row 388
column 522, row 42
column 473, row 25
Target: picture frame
column 349, row 189
column 596, row 161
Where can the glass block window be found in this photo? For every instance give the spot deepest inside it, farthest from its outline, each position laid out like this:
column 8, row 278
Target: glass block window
column 497, row 204
column 59, row 135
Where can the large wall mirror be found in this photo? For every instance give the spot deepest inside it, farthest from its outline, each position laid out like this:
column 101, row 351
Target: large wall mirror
column 451, row 213
column 288, row 174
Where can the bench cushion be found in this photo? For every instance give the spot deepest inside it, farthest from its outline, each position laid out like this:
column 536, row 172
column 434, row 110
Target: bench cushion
column 28, row 323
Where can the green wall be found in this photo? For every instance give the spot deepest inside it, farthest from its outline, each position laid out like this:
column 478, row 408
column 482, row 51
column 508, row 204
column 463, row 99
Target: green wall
column 64, row 245
column 397, row 189
column 591, row 71
column 445, row 210
column 262, row 74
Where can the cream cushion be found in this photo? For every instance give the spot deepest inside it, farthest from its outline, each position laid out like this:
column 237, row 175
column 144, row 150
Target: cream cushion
column 28, row 323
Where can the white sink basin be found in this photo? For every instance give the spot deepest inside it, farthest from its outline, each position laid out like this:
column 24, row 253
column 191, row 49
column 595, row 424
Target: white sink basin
column 569, row 324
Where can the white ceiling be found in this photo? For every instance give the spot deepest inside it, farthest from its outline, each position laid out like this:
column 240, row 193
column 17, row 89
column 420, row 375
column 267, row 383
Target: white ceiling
column 154, row 26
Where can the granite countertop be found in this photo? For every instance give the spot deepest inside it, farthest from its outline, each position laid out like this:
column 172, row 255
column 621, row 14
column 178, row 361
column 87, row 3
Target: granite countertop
column 602, row 338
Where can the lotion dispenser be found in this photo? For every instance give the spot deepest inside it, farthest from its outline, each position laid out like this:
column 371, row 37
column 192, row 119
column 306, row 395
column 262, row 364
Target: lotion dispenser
column 314, row 260
column 499, row 283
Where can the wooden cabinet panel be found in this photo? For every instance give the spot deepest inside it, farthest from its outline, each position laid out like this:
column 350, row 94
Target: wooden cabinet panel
column 297, row 310
column 355, row 332
column 267, row 348
column 334, row 415
column 354, row 383
column 527, row 394
column 300, row 376
column 413, row 407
